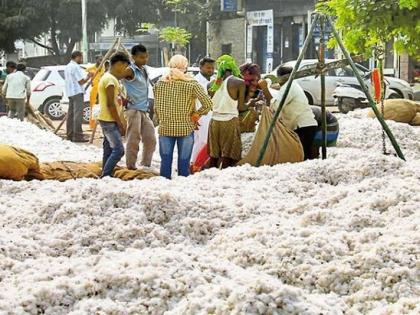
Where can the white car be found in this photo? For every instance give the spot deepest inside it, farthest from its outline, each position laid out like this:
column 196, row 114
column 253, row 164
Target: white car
column 48, row 93
column 312, row 86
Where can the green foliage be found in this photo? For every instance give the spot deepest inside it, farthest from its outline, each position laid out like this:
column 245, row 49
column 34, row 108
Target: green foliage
column 61, row 20
column 365, row 23
column 176, row 35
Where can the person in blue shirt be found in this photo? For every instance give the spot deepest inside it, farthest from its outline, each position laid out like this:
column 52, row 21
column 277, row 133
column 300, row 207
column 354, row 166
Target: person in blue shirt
column 139, row 125
column 75, row 79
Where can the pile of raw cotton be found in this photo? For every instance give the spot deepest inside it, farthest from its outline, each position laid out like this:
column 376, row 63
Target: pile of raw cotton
column 321, row 237
column 44, row 144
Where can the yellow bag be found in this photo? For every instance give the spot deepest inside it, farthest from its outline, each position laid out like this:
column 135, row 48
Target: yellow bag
column 63, row 171
column 126, row 174
column 18, row 164
column 284, row 145
column 399, row 110
column 416, row 120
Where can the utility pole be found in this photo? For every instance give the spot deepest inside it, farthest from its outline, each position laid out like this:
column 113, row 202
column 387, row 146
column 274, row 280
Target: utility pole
column 85, row 44
column 208, row 30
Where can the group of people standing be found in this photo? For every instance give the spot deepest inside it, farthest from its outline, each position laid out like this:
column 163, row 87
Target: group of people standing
column 192, row 113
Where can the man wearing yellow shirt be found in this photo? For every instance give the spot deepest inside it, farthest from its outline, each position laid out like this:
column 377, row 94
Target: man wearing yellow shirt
column 95, row 85
column 110, row 117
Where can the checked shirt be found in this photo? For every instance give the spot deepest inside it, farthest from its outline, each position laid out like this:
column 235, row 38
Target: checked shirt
column 175, row 103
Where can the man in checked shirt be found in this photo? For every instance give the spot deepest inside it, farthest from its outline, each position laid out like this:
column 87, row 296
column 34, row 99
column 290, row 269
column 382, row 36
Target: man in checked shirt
column 175, row 100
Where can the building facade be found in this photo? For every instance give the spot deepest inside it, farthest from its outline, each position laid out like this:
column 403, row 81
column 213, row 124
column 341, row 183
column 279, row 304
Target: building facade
column 267, row 32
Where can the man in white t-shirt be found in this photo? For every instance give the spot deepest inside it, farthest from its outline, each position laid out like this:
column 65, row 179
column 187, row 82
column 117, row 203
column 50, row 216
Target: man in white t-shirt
column 204, row 77
column 17, row 90
column 296, row 113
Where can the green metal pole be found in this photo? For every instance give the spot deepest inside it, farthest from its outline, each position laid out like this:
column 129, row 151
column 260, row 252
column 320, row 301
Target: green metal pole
column 286, row 92
column 323, row 110
column 365, row 90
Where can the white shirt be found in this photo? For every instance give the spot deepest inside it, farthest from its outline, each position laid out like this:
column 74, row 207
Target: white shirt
column 225, row 108
column 204, row 83
column 202, row 80
column 296, row 112
column 73, row 73
column 17, row 86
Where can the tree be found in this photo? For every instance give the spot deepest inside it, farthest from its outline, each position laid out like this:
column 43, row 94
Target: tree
column 175, row 35
column 61, row 20
column 366, row 23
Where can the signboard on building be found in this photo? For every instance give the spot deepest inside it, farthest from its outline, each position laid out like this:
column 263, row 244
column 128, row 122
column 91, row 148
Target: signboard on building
column 261, row 18
column 228, row 5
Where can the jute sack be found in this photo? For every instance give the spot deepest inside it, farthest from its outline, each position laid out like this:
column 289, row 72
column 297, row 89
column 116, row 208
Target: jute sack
column 126, row 174
column 18, row 164
column 416, row 120
column 63, row 171
column 398, row 110
column 284, row 145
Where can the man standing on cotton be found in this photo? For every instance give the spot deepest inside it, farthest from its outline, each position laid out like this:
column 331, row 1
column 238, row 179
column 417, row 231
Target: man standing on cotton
column 110, row 117
column 204, row 77
column 17, row 90
column 75, row 79
column 139, row 125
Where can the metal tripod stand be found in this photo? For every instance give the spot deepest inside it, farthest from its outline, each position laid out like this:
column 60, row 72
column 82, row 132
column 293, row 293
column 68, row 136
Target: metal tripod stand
column 321, row 69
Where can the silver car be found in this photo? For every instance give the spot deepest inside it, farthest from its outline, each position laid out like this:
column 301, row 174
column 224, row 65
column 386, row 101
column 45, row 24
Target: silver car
column 312, row 86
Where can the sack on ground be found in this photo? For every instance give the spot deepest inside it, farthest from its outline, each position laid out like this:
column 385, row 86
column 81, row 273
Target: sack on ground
column 416, row 120
column 284, row 145
column 18, row 164
column 63, row 171
column 126, row 174
column 398, row 110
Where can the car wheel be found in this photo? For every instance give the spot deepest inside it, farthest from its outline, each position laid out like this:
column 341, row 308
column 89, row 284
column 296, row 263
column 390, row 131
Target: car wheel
column 309, row 97
column 86, row 113
column 52, row 108
column 345, row 105
column 394, row 96
column 400, row 94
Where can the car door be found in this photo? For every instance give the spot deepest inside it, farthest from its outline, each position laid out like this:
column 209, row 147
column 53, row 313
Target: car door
column 308, row 84
column 331, row 83
column 312, row 85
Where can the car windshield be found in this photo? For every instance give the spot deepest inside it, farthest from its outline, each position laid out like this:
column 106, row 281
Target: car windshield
column 61, row 73
column 42, row 75
column 348, row 72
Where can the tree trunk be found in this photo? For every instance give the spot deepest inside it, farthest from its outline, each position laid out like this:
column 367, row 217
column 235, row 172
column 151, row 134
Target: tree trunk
column 70, row 47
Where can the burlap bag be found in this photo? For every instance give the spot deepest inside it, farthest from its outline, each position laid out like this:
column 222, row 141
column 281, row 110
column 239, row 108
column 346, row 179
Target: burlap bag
column 416, row 120
column 63, row 171
column 284, row 145
column 18, row 164
column 399, row 110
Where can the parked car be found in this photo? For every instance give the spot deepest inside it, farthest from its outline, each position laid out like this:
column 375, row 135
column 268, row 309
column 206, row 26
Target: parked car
column 48, row 93
column 349, row 97
column 311, row 85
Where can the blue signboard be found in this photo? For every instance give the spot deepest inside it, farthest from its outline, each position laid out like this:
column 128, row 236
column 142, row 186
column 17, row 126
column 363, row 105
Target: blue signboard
column 229, row 5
